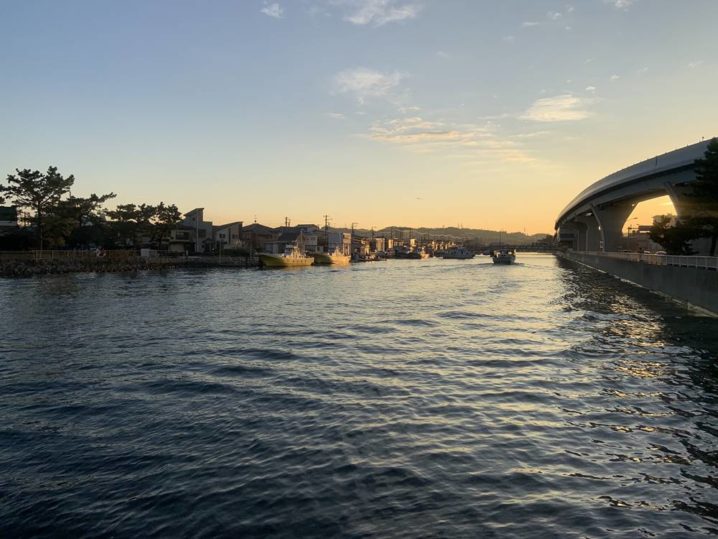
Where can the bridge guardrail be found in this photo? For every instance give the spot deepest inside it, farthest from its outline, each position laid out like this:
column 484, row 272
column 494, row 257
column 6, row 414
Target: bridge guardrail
column 684, row 261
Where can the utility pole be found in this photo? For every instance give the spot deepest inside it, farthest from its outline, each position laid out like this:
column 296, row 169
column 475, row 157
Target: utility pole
column 326, row 232
column 351, row 240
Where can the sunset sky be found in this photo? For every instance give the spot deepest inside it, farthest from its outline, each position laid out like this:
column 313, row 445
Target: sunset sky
column 483, row 114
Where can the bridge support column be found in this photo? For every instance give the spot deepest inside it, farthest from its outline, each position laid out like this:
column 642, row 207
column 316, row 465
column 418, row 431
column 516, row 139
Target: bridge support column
column 589, row 233
column 683, row 205
column 611, row 220
column 568, row 234
column 678, row 194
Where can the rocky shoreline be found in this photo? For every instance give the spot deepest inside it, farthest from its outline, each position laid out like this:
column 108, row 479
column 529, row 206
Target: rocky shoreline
column 30, row 268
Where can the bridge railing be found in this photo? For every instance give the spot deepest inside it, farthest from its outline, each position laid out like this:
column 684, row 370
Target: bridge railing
column 701, row 262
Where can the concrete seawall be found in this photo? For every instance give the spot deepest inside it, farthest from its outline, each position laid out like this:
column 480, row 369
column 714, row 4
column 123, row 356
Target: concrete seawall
column 696, row 286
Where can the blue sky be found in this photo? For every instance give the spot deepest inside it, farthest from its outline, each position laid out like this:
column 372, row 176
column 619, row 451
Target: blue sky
column 380, row 112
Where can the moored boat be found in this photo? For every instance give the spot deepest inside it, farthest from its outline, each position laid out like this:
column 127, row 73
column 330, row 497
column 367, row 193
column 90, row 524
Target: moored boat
column 336, row 258
column 292, row 257
column 460, row 253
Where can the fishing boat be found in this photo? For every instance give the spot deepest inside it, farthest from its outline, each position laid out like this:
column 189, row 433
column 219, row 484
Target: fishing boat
column 292, row 257
column 460, row 253
column 504, row 256
column 337, row 258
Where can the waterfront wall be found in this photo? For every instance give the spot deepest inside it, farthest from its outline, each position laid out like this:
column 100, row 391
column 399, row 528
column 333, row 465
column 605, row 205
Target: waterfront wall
column 30, row 263
column 696, row 286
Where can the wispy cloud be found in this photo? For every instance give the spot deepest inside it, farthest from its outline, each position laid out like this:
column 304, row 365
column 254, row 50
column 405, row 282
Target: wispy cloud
column 378, row 12
column 336, row 115
column 533, row 134
column 273, row 10
column 426, row 136
column 364, row 83
column 553, row 19
column 560, row 108
column 415, row 129
column 614, row 77
column 697, row 63
column 619, row 4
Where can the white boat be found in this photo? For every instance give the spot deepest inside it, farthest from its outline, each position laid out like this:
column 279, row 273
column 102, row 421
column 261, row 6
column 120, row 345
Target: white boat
column 461, row 253
column 503, row 256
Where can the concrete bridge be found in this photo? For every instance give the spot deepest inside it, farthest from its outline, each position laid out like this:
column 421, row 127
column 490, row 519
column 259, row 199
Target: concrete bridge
column 593, row 221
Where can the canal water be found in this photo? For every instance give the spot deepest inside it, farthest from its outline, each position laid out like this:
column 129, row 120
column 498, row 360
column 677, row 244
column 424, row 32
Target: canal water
column 429, row 398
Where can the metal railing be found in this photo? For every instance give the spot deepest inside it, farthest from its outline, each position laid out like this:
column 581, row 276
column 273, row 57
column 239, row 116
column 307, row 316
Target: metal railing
column 683, row 261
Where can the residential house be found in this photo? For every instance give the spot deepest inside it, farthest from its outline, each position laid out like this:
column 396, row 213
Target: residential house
column 182, row 239
column 8, row 219
column 378, row 244
column 340, row 241
column 256, row 236
column 228, row 236
column 291, row 236
column 361, row 246
column 203, row 237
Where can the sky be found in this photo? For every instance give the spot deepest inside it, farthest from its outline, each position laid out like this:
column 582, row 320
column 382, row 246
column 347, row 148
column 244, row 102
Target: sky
column 473, row 113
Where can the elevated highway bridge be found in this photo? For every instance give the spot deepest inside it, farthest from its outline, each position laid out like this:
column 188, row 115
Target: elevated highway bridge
column 594, row 219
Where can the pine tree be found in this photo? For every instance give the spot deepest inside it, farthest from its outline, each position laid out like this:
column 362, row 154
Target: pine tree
column 704, row 197
column 37, row 191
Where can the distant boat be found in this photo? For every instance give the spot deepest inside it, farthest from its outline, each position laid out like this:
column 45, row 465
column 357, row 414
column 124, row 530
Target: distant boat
column 414, row 254
column 504, row 256
column 292, row 257
column 336, row 258
column 460, row 253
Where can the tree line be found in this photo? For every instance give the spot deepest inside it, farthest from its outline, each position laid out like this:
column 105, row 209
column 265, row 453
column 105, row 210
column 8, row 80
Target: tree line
column 700, row 211
column 59, row 219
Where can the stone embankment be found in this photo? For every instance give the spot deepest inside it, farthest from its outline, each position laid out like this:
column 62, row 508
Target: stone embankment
column 28, row 268
column 44, row 263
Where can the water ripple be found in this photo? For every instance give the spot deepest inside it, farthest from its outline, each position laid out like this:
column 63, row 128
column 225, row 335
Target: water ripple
column 398, row 399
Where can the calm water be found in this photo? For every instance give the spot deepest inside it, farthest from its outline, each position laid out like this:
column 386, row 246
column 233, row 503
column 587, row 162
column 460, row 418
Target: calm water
column 396, row 399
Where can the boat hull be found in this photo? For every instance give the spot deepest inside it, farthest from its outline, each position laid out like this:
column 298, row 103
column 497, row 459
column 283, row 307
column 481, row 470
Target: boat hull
column 509, row 259
column 324, row 259
column 281, row 261
column 458, row 254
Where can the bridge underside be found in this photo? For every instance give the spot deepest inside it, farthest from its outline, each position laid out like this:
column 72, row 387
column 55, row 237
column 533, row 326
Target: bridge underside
column 597, row 224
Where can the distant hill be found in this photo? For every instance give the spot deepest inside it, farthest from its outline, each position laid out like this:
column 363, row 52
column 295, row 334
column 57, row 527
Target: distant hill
column 457, row 234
